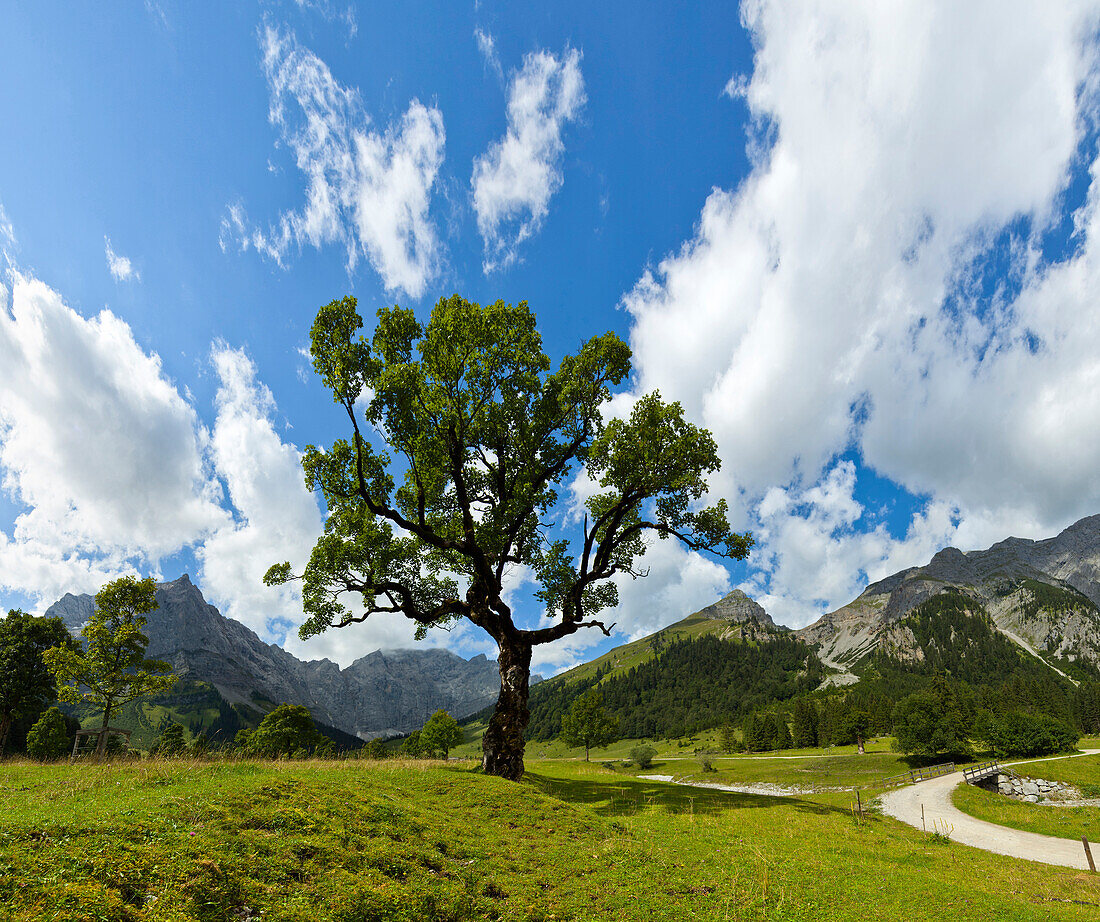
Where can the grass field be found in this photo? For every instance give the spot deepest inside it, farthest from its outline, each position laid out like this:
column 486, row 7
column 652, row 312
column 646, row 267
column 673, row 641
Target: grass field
column 1064, row 822
column 394, row 840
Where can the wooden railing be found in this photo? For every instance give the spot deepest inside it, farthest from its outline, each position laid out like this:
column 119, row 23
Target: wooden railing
column 917, row 774
column 977, row 773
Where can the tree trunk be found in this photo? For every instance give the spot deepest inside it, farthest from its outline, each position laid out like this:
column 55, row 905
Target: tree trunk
column 5, row 726
column 503, row 743
column 101, row 744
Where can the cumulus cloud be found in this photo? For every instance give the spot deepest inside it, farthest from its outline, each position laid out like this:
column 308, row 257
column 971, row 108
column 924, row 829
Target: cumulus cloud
column 367, row 190
column 98, row 446
column 275, row 517
column 836, row 299
column 121, row 267
column 514, row 180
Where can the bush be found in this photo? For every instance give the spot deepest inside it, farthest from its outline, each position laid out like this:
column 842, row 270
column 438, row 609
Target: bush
column 707, row 765
column 1019, row 734
column 170, row 742
column 643, row 756
column 49, row 739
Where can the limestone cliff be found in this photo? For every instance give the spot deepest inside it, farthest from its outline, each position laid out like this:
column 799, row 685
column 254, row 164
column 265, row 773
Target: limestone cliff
column 382, row 693
column 1042, row 595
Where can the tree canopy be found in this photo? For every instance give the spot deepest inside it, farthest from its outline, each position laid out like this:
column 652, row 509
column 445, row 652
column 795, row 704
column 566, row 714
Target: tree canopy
column 587, row 724
column 111, row 668
column 285, row 731
column 461, row 438
column 26, row 685
column 440, row 733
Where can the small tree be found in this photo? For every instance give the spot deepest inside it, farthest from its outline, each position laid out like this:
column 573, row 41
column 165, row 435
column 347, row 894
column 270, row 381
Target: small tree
column 49, row 738
column 729, row 741
column 285, row 731
column 587, row 724
column 440, row 733
column 112, row 669
column 642, row 755
column 461, row 447
column 26, row 685
column 170, row 742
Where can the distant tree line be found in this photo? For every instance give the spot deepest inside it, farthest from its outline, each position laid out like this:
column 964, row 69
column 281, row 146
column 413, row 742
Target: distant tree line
column 692, row 685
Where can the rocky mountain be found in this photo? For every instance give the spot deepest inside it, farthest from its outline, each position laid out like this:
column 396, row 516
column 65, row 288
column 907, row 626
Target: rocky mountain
column 1041, row 595
column 744, row 616
column 378, row 694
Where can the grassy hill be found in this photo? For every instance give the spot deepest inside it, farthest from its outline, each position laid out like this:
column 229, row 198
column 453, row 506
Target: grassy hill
column 357, row 841
column 641, row 651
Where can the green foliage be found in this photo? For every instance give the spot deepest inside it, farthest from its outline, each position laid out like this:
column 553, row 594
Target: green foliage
column 1086, row 707
column 112, row 669
column 1019, row 734
column 485, row 435
column 49, row 738
column 764, row 731
column 587, row 724
column 375, row 749
column 412, row 746
column 694, row 685
column 642, row 755
column 26, row 685
column 288, row 730
column 440, row 733
column 729, row 741
column 170, row 742
column 933, row 722
column 805, row 722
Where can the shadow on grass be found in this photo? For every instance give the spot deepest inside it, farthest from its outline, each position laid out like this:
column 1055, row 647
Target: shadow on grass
column 625, row 796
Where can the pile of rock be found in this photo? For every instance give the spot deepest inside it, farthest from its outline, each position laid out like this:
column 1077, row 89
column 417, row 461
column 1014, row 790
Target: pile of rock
column 1033, row 789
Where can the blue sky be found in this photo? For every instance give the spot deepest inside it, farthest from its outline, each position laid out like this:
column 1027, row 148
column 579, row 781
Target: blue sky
column 857, row 243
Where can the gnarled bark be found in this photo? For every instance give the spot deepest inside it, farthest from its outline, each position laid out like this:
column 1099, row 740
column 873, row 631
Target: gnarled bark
column 503, row 743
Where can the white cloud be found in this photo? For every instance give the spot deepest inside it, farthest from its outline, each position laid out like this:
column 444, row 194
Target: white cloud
column 333, row 12
column 8, row 243
column 487, row 47
column 96, row 444
column 276, row 517
column 369, row 191
column 121, row 267
column 514, row 180
column 834, row 299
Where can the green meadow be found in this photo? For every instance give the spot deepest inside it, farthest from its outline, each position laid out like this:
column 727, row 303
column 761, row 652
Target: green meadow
column 394, row 840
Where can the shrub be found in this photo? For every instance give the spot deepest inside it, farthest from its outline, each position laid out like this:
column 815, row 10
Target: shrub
column 49, row 739
column 170, row 742
column 707, row 765
column 643, row 756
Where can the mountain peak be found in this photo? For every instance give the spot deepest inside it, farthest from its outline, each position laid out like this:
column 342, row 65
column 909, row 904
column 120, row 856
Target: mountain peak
column 738, row 608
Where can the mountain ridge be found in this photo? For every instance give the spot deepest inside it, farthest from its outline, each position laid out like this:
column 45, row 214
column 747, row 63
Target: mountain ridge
column 380, row 694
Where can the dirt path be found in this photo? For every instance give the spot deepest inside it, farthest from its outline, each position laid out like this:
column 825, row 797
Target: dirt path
column 940, row 814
